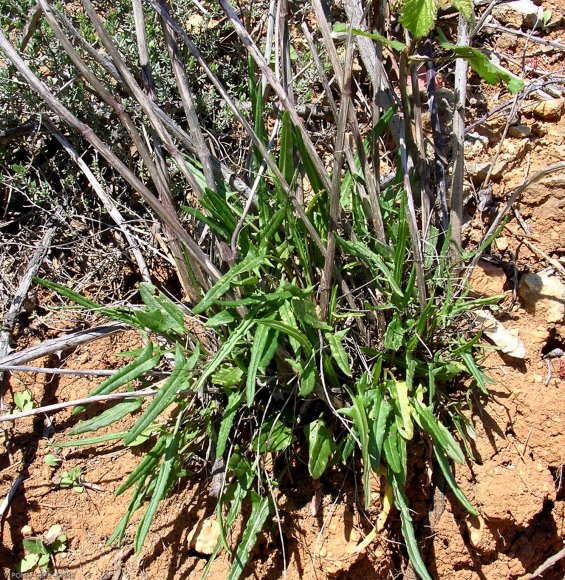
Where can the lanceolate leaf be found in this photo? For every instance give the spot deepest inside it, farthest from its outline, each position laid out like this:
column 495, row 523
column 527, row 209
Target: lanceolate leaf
column 223, row 285
column 166, row 395
column 234, row 400
column 292, row 332
column 338, row 351
column 257, row 350
column 483, row 66
column 438, row 432
column 448, row 474
column 320, row 448
column 145, row 362
column 107, row 417
column 225, row 350
column 419, row 16
column 408, row 531
column 260, row 509
column 340, row 27
column 161, row 488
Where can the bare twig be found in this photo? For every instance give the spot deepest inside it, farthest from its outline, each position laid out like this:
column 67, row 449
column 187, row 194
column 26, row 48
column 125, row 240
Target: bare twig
column 458, row 143
column 187, row 99
column 62, row 343
column 544, row 172
column 17, row 301
column 555, row 263
column 547, row 42
column 78, row 372
column 374, row 66
column 31, row 26
column 548, row 564
column 334, row 205
column 245, row 124
column 10, row 495
column 95, row 399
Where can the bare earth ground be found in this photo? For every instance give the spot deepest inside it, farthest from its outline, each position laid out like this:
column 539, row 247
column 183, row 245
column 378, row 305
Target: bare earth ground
column 517, row 483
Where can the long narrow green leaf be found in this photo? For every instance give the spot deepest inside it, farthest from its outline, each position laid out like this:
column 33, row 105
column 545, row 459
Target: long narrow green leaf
column 145, row 362
column 89, row 440
column 399, row 390
column 172, row 314
column 120, row 314
column 320, row 447
column 225, row 350
column 223, row 285
column 108, row 417
column 166, row 395
column 161, row 487
column 408, row 531
column 338, row 351
column 257, row 351
column 146, row 466
column 395, row 44
column 438, row 432
column 448, row 474
column 141, row 491
column 260, row 509
column 290, row 331
column 234, row 400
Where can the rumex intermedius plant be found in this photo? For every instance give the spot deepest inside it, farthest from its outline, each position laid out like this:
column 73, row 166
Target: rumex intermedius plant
column 323, row 305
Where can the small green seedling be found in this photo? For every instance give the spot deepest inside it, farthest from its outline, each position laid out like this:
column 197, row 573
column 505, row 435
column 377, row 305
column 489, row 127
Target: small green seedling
column 71, row 479
column 23, row 401
column 52, row 461
column 40, row 551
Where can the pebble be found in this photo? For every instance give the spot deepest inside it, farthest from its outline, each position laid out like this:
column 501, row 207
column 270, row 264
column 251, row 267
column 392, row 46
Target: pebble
column 550, row 110
column 519, row 131
column 520, row 13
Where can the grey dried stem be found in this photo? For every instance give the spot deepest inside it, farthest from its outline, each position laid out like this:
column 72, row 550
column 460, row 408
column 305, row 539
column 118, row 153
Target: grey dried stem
column 458, row 144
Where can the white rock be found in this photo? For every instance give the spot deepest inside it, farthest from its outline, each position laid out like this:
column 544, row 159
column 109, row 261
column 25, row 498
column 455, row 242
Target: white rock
column 544, row 294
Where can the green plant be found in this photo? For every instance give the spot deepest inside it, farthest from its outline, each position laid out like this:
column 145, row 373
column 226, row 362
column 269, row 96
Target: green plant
column 40, row 551
column 71, row 479
column 23, row 401
column 52, row 461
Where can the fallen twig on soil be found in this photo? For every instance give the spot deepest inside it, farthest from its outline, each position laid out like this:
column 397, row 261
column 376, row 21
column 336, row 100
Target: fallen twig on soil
column 541, row 253
column 11, row 493
column 106, row 200
column 79, row 372
column 552, row 43
column 547, row 564
column 62, row 343
column 87, row 400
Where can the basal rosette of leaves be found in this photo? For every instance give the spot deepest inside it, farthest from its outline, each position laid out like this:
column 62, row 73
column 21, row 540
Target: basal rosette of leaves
column 326, row 326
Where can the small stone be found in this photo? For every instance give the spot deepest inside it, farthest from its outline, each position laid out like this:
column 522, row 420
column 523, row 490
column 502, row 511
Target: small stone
column 544, row 294
column 550, row 110
column 204, row 536
column 27, row 531
column 502, row 243
column 479, row 171
column 519, row 131
column 323, row 552
column 520, row 13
